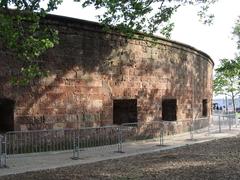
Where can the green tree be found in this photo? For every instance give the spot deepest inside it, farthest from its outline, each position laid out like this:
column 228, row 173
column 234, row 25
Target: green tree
column 22, row 34
column 236, row 32
column 227, row 79
column 147, row 16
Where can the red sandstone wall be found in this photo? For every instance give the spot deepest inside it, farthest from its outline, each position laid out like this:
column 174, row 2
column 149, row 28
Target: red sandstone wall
column 89, row 68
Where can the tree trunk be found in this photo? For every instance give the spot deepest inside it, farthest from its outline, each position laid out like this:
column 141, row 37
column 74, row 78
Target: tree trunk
column 233, row 101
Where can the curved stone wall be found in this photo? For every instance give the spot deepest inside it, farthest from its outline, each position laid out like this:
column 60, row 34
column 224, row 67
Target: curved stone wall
column 90, row 70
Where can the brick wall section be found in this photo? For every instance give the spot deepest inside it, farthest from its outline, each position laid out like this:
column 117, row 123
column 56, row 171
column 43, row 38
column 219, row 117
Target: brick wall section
column 90, row 68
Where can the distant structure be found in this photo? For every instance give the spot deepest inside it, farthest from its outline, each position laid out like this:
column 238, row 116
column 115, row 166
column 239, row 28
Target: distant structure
column 98, row 78
column 226, row 104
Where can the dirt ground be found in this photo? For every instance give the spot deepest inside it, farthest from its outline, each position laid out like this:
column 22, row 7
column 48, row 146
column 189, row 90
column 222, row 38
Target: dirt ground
column 218, row 159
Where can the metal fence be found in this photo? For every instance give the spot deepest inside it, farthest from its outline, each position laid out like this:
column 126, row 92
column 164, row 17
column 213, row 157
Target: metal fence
column 219, row 122
column 130, row 132
column 198, row 125
column 140, row 130
column 107, row 138
column 19, row 142
column 225, row 121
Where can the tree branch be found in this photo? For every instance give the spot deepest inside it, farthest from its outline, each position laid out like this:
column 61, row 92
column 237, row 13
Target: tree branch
column 26, row 4
column 160, row 8
column 33, row 5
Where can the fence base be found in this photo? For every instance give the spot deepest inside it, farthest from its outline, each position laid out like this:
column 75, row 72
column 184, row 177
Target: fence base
column 3, row 161
column 119, row 151
column 162, row 145
column 193, row 139
column 76, row 153
column 75, row 158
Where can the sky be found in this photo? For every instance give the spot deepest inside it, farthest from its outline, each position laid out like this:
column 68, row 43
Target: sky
column 215, row 40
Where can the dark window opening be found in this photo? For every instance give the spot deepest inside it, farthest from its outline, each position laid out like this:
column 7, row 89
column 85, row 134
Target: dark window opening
column 204, row 107
column 124, row 111
column 6, row 115
column 169, row 109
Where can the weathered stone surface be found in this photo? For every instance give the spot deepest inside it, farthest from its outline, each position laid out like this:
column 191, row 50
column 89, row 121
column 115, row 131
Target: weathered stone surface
column 91, row 68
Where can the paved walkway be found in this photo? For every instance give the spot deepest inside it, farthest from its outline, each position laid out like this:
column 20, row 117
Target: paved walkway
column 39, row 161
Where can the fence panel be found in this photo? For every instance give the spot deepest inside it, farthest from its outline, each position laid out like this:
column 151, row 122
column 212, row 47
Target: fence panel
column 224, row 121
column 19, row 142
column 96, row 138
column 106, row 137
column 142, row 131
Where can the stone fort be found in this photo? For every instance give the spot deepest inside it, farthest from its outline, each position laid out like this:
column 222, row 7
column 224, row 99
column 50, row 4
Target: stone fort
column 98, row 78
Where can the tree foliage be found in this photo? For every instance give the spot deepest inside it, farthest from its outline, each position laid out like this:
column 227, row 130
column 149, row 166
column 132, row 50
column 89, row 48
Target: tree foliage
column 147, row 16
column 22, row 34
column 227, row 79
column 236, row 31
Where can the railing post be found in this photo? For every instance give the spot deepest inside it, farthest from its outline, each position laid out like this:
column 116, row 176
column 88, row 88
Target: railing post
column 219, row 124
column 120, row 140
column 191, row 131
column 3, row 155
column 209, row 119
column 76, row 149
column 1, row 151
column 229, row 122
column 236, row 120
column 161, row 136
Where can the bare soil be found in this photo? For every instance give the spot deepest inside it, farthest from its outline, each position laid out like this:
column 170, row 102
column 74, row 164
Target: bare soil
column 218, row 159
